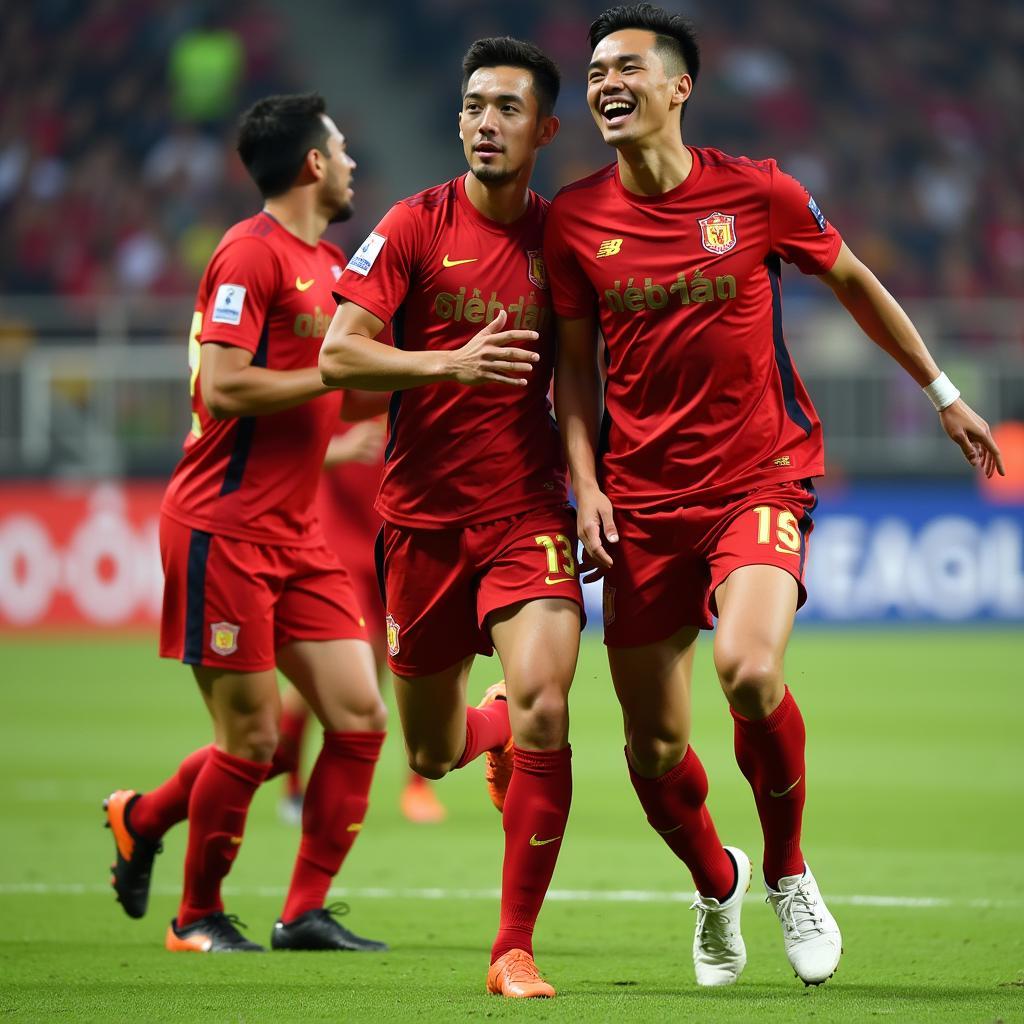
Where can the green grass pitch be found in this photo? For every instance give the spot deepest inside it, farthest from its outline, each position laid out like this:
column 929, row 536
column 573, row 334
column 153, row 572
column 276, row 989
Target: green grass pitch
column 914, row 827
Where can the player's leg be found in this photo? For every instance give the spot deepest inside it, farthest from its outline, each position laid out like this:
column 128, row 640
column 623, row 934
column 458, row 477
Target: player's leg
column 757, row 570
column 337, row 679
column 655, row 601
column 294, row 719
column 652, row 683
column 432, row 635
column 244, row 707
column 538, row 644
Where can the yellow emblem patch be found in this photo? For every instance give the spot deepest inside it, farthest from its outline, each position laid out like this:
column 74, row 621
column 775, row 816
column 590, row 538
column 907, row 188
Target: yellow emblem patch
column 224, row 638
column 718, row 232
column 393, row 629
column 609, row 247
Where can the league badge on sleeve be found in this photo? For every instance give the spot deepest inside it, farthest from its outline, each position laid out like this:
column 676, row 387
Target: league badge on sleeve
column 227, row 306
column 816, row 213
column 718, row 232
column 365, row 256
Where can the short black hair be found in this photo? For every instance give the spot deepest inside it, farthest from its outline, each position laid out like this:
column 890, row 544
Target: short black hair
column 274, row 136
column 676, row 40
column 504, row 51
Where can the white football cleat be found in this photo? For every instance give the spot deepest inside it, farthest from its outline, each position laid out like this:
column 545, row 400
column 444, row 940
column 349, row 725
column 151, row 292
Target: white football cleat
column 809, row 931
column 719, row 954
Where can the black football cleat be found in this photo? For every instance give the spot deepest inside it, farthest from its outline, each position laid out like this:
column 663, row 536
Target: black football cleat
column 318, row 930
column 133, row 865
column 215, row 933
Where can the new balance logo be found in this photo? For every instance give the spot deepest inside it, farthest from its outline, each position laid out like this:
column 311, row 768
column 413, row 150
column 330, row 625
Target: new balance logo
column 609, row 247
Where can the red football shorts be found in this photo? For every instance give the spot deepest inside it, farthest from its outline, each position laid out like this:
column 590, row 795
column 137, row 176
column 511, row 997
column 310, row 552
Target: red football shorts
column 231, row 604
column 442, row 584
column 669, row 562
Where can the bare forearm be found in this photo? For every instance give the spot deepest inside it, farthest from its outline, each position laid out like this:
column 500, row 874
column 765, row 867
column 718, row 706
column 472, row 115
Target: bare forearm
column 578, row 408
column 884, row 321
column 256, row 391
column 354, row 361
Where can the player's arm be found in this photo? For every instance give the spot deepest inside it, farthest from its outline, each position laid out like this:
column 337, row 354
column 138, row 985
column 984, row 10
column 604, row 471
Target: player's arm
column 232, row 386
column 363, row 443
column 350, row 357
column 578, row 408
column 885, row 322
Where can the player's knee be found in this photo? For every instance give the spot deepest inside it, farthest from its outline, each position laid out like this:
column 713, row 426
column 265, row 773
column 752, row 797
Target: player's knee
column 751, row 681
column 427, row 764
column 652, row 756
column 257, row 743
column 542, row 718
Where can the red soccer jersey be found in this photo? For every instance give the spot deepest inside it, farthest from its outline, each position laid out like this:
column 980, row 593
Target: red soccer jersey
column 702, row 397
column 255, row 477
column 439, row 271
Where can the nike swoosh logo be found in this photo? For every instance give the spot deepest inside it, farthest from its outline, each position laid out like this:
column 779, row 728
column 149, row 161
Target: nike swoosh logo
column 457, row 263
column 771, row 792
column 560, row 579
column 666, row 831
column 534, row 841
column 304, row 286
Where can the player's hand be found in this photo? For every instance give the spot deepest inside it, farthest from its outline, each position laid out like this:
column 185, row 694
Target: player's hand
column 489, row 357
column 362, row 443
column 972, row 435
column 595, row 525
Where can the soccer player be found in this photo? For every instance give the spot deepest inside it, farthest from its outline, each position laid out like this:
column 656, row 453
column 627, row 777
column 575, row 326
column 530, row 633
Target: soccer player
column 249, row 583
column 344, row 504
column 694, row 494
column 476, row 547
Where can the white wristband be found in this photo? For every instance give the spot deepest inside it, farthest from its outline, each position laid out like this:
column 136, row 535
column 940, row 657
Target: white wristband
column 942, row 392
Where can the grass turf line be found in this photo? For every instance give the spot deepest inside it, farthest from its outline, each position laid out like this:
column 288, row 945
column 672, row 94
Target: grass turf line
column 915, row 771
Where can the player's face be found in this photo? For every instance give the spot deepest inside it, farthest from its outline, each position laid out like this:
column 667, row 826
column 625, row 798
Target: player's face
column 630, row 94
column 336, row 187
column 500, row 124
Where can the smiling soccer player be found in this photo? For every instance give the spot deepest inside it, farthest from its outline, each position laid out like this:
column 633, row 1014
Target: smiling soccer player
column 695, row 492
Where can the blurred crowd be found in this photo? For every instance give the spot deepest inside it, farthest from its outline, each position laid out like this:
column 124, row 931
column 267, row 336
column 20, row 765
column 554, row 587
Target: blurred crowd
column 116, row 137
column 117, row 121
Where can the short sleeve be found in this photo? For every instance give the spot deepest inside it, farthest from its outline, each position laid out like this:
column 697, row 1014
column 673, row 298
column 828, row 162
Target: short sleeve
column 379, row 272
column 241, row 283
column 799, row 232
column 572, row 294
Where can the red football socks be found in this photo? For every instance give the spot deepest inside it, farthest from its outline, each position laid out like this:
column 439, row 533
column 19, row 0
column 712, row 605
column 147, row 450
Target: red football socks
column 156, row 811
column 770, row 753
column 487, row 728
column 332, row 815
column 536, row 810
column 289, row 748
column 217, row 809
column 676, row 810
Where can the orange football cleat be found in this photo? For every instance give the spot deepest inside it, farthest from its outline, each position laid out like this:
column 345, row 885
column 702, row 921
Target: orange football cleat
column 419, row 803
column 515, row 975
column 215, row 933
column 133, row 854
column 497, row 764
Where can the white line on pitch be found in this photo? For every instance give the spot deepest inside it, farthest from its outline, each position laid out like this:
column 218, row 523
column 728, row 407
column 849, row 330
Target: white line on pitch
column 554, row 895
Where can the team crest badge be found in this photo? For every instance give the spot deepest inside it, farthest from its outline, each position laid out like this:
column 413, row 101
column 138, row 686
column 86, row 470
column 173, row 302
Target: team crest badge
column 393, row 629
column 608, row 604
column 536, row 269
column 224, row 637
column 718, row 232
